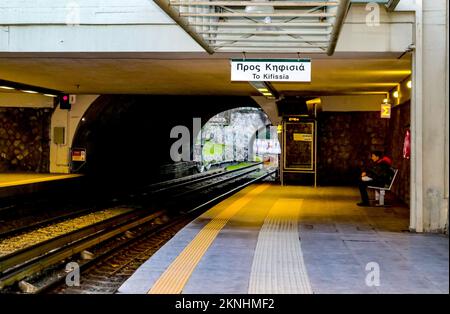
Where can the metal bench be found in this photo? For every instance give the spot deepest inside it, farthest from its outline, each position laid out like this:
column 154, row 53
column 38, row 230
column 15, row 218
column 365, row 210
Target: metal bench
column 380, row 191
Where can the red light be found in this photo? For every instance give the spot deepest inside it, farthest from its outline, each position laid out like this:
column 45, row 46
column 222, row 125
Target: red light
column 64, row 101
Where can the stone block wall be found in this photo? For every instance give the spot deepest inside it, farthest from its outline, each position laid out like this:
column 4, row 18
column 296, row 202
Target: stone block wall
column 399, row 123
column 24, row 139
column 347, row 138
column 345, row 142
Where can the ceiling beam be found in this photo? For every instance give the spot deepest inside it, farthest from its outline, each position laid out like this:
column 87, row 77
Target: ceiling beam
column 255, row 3
column 275, row 40
column 342, row 10
column 260, row 32
column 237, row 24
column 269, row 50
column 201, row 27
column 269, row 45
column 391, row 5
column 243, row 14
column 183, row 23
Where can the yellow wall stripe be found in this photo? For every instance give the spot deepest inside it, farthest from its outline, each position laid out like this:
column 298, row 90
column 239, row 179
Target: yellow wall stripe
column 177, row 274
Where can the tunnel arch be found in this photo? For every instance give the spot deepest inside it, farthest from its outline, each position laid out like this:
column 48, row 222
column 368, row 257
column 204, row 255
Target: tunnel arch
column 129, row 134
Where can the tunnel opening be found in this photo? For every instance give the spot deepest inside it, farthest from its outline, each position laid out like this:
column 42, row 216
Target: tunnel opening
column 127, row 137
column 241, row 135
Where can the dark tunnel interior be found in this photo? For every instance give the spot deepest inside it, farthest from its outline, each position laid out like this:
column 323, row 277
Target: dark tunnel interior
column 127, row 137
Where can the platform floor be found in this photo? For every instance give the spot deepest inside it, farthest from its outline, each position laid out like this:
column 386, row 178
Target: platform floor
column 272, row 239
column 16, row 179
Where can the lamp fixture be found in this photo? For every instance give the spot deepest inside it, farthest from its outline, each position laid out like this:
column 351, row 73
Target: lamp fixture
column 395, row 94
column 265, row 88
column 409, row 84
column 315, row 101
column 29, row 89
column 262, row 9
column 7, row 87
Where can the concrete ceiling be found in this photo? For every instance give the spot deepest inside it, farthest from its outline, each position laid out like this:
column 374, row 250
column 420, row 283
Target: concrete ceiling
column 196, row 74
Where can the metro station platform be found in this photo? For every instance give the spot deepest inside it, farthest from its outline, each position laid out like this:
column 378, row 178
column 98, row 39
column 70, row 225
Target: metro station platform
column 269, row 239
column 15, row 179
column 12, row 184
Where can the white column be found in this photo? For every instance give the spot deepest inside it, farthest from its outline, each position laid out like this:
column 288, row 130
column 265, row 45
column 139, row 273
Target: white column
column 447, row 113
column 69, row 119
column 429, row 119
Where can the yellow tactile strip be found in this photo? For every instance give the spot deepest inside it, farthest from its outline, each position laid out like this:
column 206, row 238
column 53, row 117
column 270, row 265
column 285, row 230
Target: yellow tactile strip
column 278, row 265
column 177, row 274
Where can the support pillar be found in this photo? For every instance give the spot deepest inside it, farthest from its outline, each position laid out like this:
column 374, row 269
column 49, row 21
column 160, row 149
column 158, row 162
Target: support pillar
column 69, row 120
column 430, row 118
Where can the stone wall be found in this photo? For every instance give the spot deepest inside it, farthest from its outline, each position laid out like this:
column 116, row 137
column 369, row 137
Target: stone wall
column 347, row 138
column 399, row 123
column 24, row 139
column 227, row 135
column 345, row 142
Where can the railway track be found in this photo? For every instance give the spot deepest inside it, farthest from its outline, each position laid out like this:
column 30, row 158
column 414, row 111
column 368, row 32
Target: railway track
column 106, row 275
column 28, row 262
column 111, row 267
column 58, row 214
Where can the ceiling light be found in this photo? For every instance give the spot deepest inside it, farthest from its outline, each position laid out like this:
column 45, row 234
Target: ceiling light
column 261, row 9
column 385, row 101
column 6, row 87
column 258, row 85
column 395, row 94
column 29, row 89
column 265, row 88
column 315, row 101
column 409, row 84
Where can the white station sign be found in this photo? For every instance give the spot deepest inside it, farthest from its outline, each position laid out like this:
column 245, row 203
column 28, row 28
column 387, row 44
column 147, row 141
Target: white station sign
column 275, row 70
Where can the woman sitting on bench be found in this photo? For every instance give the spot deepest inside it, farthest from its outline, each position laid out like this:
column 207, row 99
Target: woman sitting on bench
column 378, row 175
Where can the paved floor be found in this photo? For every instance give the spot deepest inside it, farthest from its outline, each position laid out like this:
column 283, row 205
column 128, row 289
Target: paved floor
column 273, row 239
column 14, row 179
